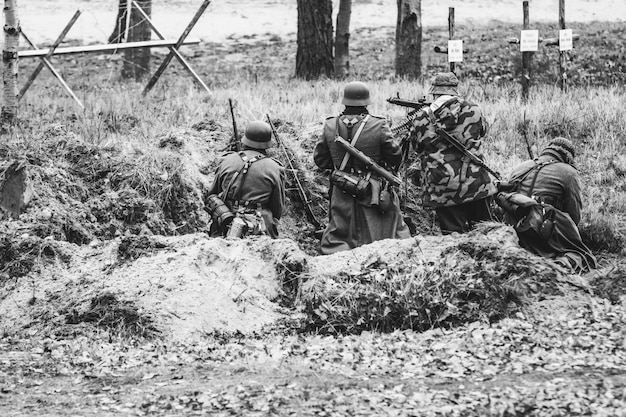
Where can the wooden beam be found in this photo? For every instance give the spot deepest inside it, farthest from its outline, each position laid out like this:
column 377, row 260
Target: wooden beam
column 112, row 47
column 173, row 50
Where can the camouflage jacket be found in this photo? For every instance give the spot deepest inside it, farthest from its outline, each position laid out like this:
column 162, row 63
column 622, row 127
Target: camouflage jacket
column 448, row 176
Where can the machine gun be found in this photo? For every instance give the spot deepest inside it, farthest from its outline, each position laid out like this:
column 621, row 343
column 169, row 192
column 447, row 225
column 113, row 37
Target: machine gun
column 368, row 162
column 461, row 148
column 417, row 105
column 302, row 195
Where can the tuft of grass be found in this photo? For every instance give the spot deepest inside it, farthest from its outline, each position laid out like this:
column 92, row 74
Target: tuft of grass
column 119, row 317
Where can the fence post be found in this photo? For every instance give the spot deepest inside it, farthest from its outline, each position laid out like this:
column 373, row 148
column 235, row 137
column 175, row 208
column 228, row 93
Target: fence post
column 526, row 56
column 562, row 54
column 451, row 31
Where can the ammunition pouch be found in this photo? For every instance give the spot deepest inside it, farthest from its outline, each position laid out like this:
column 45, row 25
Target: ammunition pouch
column 354, row 185
column 219, row 211
column 381, row 196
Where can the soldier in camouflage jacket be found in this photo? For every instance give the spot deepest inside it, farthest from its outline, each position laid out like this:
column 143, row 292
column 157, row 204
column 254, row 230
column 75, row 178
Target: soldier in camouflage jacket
column 458, row 189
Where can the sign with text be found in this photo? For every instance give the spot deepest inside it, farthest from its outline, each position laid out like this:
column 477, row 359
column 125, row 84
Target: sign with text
column 566, row 40
column 455, row 50
column 529, row 40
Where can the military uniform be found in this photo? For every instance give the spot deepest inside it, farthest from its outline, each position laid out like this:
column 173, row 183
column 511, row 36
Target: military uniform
column 354, row 221
column 548, row 225
column 455, row 187
column 258, row 189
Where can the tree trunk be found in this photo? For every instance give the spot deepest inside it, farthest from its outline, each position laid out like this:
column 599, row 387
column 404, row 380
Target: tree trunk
column 119, row 31
column 314, row 56
column 342, row 39
column 10, row 61
column 409, row 38
column 137, row 60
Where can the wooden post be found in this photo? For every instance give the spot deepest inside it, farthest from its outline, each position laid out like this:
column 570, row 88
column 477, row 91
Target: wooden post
column 451, row 31
column 562, row 54
column 181, row 39
column 526, row 56
column 54, row 71
column 50, row 52
column 172, row 49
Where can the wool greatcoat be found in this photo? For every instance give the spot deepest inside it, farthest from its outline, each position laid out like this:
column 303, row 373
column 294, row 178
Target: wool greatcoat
column 264, row 186
column 354, row 222
column 555, row 186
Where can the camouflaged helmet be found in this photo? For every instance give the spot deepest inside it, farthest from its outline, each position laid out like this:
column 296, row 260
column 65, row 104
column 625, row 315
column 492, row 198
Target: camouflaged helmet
column 444, row 83
column 258, row 135
column 356, row 93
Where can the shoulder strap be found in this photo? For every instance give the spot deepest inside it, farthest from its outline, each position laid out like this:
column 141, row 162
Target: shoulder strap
column 241, row 174
column 537, row 167
column 346, row 157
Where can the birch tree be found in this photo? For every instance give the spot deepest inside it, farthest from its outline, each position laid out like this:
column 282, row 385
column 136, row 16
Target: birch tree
column 10, row 61
column 409, row 38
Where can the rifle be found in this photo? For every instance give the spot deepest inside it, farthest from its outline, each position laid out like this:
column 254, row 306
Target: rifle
column 368, row 162
column 235, row 145
column 459, row 146
column 302, row 195
column 525, row 135
column 417, row 105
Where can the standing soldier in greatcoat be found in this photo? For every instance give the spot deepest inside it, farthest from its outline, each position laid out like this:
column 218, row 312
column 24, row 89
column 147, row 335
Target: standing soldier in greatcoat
column 455, row 186
column 249, row 188
column 363, row 206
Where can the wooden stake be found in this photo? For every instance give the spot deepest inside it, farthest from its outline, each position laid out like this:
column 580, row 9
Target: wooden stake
column 54, row 72
column 562, row 54
column 526, row 56
column 174, row 49
column 56, row 43
column 451, row 31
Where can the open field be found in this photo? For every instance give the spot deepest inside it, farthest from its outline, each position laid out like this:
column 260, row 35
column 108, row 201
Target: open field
column 113, row 301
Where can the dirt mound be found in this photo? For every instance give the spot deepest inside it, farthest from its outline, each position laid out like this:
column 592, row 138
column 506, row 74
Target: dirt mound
column 429, row 281
column 178, row 287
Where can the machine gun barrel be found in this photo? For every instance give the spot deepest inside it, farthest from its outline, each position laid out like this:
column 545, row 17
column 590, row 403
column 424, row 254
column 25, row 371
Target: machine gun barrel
column 408, row 103
column 368, row 162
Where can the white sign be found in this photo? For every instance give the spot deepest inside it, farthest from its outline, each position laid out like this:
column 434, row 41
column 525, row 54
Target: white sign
column 566, row 40
column 455, row 50
column 529, row 40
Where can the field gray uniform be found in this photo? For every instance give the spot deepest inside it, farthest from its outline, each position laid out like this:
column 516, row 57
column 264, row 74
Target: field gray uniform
column 264, row 186
column 354, row 222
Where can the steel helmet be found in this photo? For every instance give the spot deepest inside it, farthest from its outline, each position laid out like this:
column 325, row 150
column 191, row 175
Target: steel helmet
column 356, row 93
column 258, row 135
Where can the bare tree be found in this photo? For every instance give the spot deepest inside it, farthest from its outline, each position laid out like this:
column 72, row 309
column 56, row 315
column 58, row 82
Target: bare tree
column 409, row 38
column 136, row 60
column 314, row 55
column 342, row 39
column 10, row 58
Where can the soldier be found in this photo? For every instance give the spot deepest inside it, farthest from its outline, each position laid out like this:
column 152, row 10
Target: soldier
column 363, row 206
column 543, row 203
column 250, row 187
column 458, row 189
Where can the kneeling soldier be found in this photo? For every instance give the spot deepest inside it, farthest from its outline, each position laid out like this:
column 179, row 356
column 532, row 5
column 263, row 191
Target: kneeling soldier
column 248, row 192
